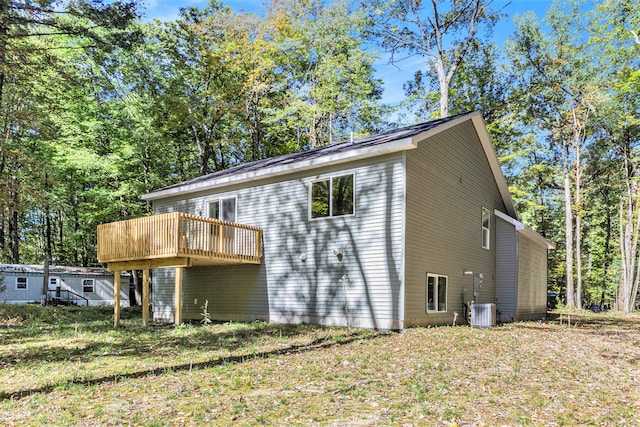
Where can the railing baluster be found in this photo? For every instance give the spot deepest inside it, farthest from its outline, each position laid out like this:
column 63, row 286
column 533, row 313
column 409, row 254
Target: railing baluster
column 178, row 234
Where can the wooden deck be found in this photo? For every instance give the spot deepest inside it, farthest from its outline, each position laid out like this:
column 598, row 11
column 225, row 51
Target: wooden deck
column 173, row 240
column 177, row 240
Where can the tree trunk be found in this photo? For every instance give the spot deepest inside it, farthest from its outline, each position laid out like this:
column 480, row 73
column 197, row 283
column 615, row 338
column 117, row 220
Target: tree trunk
column 76, row 229
column 314, row 133
column 629, row 228
column 568, row 223
column 137, row 284
column 47, row 233
column 14, row 225
column 254, row 126
column 4, row 14
column 578, row 248
column 607, row 249
column 4, row 5
column 2, row 238
column 628, row 290
column 330, row 128
column 45, row 281
column 444, row 89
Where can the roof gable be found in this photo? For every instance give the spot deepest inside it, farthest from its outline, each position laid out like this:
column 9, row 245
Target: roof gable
column 396, row 140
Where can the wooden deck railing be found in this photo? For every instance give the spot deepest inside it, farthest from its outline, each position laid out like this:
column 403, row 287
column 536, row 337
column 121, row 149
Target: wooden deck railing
column 179, row 235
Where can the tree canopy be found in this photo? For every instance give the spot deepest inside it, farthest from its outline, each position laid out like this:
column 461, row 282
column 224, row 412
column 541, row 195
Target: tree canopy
column 97, row 108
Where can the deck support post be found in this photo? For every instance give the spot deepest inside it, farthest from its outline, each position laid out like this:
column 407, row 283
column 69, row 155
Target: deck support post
column 145, row 298
column 178, row 296
column 116, row 299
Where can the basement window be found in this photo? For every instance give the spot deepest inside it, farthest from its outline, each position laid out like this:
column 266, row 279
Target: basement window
column 436, row 293
column 332, row 197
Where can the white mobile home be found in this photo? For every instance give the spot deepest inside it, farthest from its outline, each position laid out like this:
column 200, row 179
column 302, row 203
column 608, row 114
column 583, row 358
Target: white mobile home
column 388, row 231
column 82, row 286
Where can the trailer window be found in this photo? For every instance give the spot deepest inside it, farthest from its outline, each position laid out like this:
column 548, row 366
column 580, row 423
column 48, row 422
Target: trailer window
column 88, row 285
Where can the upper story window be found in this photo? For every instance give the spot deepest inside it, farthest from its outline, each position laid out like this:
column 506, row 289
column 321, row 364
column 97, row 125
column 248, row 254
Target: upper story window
column 21, row 283
column 88, row 285
column 224, row 209
column 332, row 197
column 486, row 228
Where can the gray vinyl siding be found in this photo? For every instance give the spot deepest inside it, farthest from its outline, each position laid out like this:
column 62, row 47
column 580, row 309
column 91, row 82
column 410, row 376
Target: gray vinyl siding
column 365, row 284
column 13, row 295
column 162, row 294
column 506, row 271
column 449, row 181
column 532, row 279
column 102, row 294
column 232, row 292
column 102, row 288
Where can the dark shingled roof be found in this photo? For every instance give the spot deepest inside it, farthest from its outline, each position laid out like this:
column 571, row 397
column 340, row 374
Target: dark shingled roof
column 367, row 141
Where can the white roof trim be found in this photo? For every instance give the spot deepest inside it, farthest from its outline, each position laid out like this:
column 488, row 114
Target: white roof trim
column 357, row 153
column 517, row 224
column 521, row 228
column 444, row 126
column 492, row 157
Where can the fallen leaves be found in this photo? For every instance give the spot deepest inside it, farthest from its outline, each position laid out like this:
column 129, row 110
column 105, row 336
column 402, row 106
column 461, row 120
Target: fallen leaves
column 530, row 373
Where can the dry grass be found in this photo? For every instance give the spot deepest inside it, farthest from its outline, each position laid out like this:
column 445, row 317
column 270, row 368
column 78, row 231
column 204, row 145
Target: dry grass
column 67, row 370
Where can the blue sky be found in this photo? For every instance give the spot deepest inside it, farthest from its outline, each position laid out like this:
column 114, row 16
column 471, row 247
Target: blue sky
column 392, row 76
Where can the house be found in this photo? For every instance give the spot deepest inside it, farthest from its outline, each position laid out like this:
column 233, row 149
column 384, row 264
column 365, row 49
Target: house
column 389, row 231
column 22, row 284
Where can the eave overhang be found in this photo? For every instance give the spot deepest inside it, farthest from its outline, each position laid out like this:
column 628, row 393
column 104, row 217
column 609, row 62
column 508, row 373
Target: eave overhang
column 357, row 153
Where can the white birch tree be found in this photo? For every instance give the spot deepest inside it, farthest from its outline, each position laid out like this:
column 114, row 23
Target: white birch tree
column 557, row 89
column 443, row 32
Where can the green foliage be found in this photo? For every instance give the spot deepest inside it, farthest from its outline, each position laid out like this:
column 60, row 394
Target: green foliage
column 327, row 72
column 214, row 88
column 571, row 100
column 444, row 34
column 49, row 103
column 93, row 120
column 206, row 317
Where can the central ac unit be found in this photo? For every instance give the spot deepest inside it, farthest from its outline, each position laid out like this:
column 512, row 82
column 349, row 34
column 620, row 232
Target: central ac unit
column 483, row 315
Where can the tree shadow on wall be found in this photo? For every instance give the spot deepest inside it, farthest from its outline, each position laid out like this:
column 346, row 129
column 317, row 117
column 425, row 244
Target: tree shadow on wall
column 338, row 268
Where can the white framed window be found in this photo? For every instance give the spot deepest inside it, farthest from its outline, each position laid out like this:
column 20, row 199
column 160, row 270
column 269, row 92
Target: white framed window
column 436, row 293
column 224, row 209
column 486, row 228
column 22, row 283
column 88, row 285
column 332, row 196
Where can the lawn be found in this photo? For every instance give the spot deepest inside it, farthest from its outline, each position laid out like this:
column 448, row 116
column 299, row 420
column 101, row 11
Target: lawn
column 61, row 366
